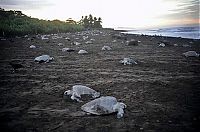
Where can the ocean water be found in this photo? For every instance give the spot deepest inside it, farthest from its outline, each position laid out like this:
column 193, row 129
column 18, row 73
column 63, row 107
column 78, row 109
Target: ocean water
column 192, row 32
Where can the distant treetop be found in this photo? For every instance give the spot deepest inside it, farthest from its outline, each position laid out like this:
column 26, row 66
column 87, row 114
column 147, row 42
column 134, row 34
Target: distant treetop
column 91, row 22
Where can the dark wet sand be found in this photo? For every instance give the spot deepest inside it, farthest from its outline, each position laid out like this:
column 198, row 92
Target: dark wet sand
column 162, row 92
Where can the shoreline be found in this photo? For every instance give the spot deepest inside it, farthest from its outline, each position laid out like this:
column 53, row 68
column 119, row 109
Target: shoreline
column 126, row 32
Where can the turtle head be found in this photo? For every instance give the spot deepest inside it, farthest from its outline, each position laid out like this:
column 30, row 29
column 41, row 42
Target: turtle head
column 120, row 113
column 51, row 58
column 119, row 109
column 68, row 92
column 96, row 94
column 122, row 105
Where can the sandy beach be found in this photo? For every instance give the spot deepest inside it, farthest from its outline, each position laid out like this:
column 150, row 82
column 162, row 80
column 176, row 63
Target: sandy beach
column 162, row 91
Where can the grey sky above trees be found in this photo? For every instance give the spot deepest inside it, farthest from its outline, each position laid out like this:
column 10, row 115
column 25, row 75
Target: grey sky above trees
column 122, row 12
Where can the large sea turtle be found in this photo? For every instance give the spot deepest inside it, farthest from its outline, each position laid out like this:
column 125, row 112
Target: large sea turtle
column 104, row 105
column 82, row 52
column 78, row 90
column 43, row 58
column 128, row 61
column 105, row 48
column 67, row 49
column 32, row 47
column 191, row 54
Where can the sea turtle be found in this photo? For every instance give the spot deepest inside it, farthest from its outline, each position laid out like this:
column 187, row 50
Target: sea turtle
column 78, row 90
column 191, row 54
column 85, row 37
column 128, row 61
column 68, row 39
column 76, row 43
column 161, row 45
column 67, row 49
column 114, row 41
column 43, row 37
column 32, row 47
column 167, row 43
column 82, row 52
column 104, row 105
column 60, row 44
column 88, row 42
column 133, row 42
column 106, row 48
column 43, row 58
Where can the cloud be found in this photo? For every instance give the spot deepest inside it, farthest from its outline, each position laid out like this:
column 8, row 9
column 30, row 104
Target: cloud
column 185, row 9
column 137, row 13
column 24, row 4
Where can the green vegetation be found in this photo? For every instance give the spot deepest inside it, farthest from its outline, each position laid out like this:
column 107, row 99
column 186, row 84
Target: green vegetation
column 17, row 23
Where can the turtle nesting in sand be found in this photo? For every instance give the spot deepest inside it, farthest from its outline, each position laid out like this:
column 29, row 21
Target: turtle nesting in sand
column 32, row 47
column 104, row 105
column 78, row 90
column 43, row 58
column 60, row 44
column 68, row 39
column 67, row 49
column 133, row 42
column 106, row 48
column 128, row 61
column 191, row 54
column 76, row 43
column 161, row 45
column 88, row 42
column 82, row 52
column 43, row 37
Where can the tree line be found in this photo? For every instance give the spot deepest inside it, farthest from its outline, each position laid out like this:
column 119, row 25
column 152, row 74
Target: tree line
column 91, row 22
column 16, row 23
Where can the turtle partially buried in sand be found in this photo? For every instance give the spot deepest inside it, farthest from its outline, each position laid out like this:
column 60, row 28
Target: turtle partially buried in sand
column 43, row 58
column 191, row 54
column 128, row 61
column 78, row 90
column 105, row 48
column 133, row 42
column 82, row 52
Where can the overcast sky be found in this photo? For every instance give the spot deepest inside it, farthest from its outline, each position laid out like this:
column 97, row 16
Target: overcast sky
column 114, row 13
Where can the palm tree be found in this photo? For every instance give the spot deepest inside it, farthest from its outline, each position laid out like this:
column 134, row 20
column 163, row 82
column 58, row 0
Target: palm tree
column 86, row 22
column 99, row 22
column 91, row 21
column 95, row 22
